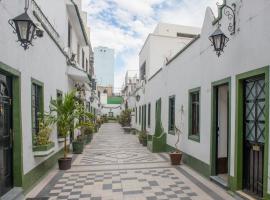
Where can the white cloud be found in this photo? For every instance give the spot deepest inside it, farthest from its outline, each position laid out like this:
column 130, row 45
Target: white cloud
column 124, row 24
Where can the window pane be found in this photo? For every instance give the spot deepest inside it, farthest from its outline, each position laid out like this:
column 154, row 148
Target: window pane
column 36, row 106
column 195, row 113
column 149, row 115
column 171, row 113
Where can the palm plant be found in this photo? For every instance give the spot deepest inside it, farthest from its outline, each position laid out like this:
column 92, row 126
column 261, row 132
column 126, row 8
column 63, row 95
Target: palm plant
column 64, row 114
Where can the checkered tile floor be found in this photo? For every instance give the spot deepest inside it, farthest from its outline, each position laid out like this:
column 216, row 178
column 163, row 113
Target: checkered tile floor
column 160, row 184
column 117, row 156
column 142, row 175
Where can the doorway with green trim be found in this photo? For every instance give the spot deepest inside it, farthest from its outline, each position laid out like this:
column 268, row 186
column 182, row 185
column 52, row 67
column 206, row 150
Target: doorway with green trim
column 11, row 165
column 252, row 125
column 220, row 131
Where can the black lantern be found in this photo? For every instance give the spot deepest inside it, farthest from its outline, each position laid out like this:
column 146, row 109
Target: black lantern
column 25, row 28
column 218, row 40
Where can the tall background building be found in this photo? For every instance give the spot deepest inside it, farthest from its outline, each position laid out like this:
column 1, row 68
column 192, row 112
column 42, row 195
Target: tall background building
column 104, row 66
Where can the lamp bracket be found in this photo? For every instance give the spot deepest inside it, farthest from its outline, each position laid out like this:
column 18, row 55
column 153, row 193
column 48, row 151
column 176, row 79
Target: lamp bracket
column 230, row 13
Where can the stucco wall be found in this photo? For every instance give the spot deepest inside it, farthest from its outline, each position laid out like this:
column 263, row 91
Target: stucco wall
column 42, row 61
column 198, row 66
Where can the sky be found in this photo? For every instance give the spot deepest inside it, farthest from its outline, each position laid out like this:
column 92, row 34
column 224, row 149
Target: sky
column 125, row 24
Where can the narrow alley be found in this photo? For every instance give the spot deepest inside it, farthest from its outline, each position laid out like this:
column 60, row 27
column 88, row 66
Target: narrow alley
column 115, row 166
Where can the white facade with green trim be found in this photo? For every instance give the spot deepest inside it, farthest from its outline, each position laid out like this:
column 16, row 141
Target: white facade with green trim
column 198, row 66
column 47, row 62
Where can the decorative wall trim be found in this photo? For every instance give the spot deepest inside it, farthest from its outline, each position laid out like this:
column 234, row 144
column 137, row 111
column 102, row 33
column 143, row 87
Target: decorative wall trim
column 54, row 35
column 32, row 177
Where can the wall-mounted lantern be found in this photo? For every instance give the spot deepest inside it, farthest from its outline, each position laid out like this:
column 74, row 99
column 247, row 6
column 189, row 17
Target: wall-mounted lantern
column 218, row 38
column 25, row 28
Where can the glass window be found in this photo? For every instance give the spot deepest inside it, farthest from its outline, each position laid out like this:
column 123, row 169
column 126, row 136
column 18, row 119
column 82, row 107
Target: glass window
column 140, row 112
column 194, row 114
column 83, row 59
column 69, row 35
column 37, row 96
column 171, row 113
column 136, row 115
column 149, row 115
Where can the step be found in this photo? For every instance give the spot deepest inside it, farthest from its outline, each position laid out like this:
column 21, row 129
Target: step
column 15, row 193
column 219, row 181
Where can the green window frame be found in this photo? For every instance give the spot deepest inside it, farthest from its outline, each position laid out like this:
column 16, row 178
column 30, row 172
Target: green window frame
column 194, row 114
column 136, row 115
column 140, row 114
column 37, row 104
column 149, row 115
column 171, row 117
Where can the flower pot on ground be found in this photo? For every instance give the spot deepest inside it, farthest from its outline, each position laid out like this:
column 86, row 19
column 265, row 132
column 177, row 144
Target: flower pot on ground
column 65, row 114
column 64, row 163
column 125, row 118
column 143, row 138
column 176, row 156
column 78, row 145
column 87, row 129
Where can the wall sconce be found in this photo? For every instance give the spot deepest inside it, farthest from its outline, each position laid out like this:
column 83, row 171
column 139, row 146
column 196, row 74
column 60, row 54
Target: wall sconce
column 218, row 38
column 25, row 28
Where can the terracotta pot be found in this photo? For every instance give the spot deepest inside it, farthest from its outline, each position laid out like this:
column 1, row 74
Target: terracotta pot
column 176, row 158
column 64, row 163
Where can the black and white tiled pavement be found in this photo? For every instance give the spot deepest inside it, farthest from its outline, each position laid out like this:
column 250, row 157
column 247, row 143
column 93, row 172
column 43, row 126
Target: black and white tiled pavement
column 116, row 167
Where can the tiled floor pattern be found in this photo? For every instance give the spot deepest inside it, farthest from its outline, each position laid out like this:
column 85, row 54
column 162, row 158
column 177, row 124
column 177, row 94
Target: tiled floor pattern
column 131, row 173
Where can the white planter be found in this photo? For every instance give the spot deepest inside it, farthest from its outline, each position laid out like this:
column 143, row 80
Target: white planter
column 43, row 153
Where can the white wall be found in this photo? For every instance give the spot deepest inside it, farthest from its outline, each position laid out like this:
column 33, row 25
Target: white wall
column 114, row 108
column 198, row 66
column 171, row 30
column 42, row 61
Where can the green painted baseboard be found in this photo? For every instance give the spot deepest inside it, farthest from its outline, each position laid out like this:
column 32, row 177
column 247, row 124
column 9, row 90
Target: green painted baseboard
column 169, row 148
column 40, row 171
column 194, row 163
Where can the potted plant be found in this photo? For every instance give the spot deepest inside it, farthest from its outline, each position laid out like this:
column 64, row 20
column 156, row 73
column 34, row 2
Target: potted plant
column 78, row 144
column 43, row 146
column 64, row 114
column 87, row 129
column 143, row 138
column 125, row 118
column 176, row 156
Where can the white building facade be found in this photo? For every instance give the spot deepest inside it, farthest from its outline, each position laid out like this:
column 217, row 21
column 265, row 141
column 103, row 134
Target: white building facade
column 220, row 104
column 104, row 66
column 58, row 62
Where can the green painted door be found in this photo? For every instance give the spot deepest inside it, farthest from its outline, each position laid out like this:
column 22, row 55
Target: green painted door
column 6, row 140
column 254, row 135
